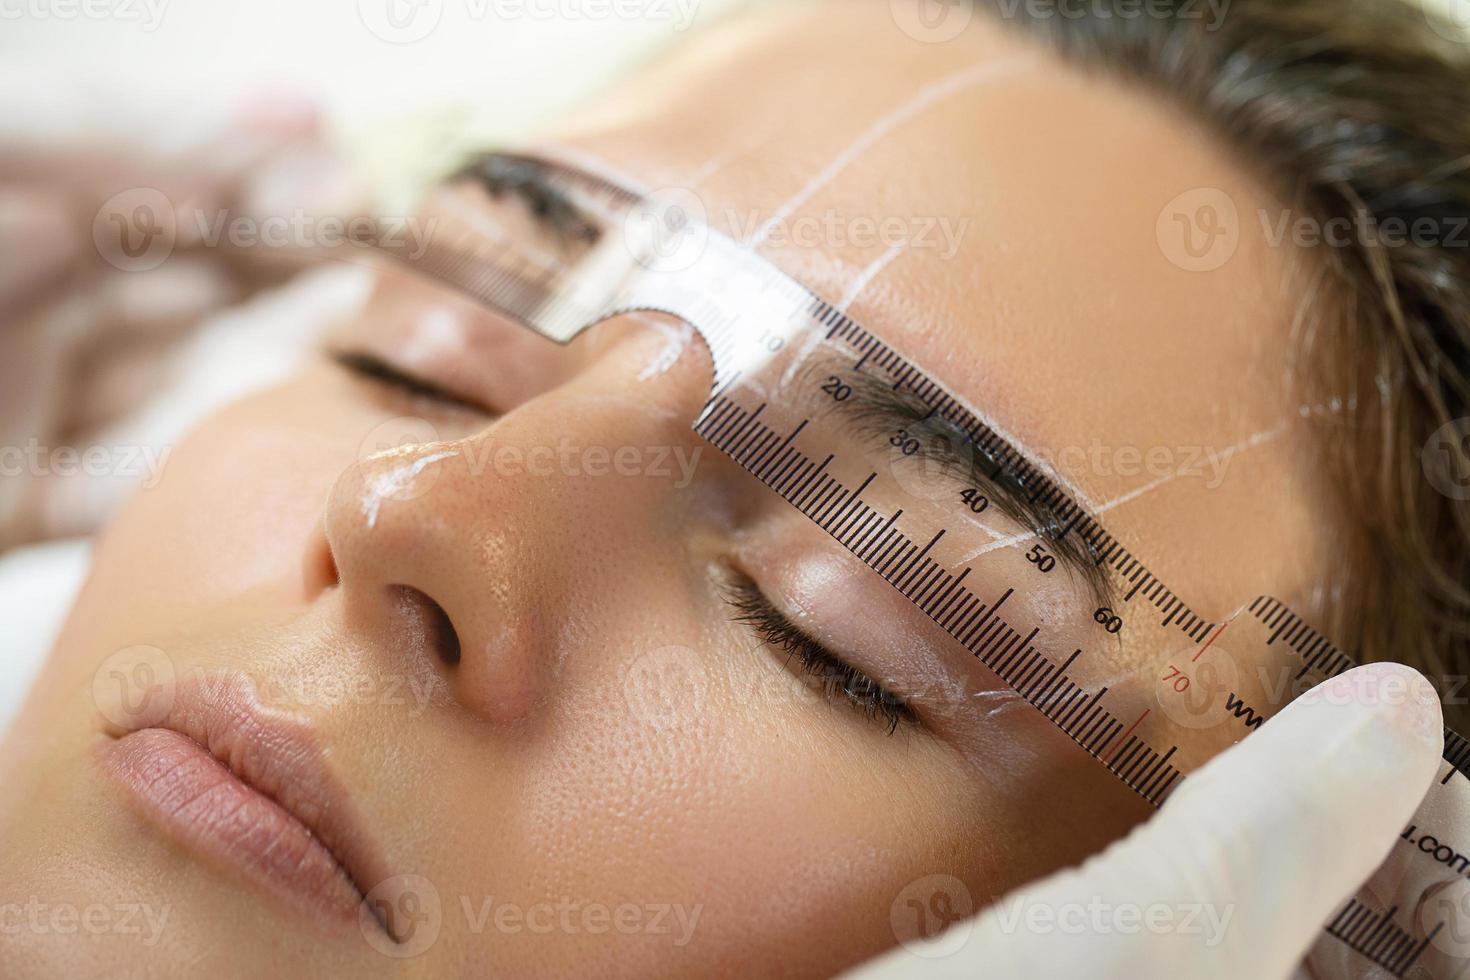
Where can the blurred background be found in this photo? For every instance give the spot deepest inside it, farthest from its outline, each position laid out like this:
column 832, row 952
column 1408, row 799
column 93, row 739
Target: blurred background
column 371, row 64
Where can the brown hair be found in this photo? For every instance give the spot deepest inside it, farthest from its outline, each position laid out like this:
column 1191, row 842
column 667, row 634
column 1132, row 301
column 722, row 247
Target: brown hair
column 1355, row 110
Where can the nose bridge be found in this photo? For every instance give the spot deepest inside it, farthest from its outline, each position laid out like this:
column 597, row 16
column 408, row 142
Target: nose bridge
column 501, row 529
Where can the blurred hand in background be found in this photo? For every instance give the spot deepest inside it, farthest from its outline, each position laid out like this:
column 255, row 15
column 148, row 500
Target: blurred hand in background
column 101, row 339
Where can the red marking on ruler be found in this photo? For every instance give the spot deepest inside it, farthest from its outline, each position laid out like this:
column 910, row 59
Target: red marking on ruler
column 1210, row 641
column 1124, row 737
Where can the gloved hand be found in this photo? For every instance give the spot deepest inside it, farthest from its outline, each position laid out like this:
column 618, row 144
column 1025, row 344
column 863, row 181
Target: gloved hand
column 1266, row 842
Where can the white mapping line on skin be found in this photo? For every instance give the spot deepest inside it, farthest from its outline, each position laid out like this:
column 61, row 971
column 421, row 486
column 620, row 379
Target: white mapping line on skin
column 393, row 481
column 711, row 167
column 722, row 159
column 1259, row 439
column 938, row 91
column 870, row 273
column 1134, row 494
column 1007, row 542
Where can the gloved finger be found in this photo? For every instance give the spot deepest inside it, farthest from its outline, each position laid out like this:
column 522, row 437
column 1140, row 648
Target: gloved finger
column 1246, row 862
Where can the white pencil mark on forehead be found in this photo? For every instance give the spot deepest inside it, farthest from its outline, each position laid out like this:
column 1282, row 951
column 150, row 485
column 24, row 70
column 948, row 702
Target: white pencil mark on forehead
column 865, row 279
column 1225, row 455
column 928, row 97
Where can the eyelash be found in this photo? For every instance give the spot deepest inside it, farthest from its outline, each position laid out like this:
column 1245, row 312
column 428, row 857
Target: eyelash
column 375, row 369
column 840, row 682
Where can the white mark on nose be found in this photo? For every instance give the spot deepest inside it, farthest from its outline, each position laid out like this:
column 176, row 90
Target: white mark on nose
column 396, row 483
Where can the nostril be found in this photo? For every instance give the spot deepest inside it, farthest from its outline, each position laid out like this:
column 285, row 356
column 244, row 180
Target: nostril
column 444, row 635
column 434, row 625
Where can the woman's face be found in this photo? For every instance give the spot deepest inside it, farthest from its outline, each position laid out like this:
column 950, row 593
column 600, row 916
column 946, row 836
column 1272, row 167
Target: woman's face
column 499, row 668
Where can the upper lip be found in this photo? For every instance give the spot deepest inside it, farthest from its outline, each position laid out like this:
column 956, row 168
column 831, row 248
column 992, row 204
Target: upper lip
column 279, row 756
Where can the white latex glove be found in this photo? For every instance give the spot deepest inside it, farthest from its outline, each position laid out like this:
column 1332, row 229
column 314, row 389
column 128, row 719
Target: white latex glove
column 1268, row 840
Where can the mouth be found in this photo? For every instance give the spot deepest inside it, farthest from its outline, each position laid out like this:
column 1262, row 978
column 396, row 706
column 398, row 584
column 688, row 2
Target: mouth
column 249, row 791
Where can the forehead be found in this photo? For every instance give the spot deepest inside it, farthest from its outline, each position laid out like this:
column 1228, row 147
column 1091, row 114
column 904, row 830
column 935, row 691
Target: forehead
column 1082, row 262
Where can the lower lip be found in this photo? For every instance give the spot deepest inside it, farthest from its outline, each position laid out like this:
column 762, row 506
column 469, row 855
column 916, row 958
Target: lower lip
column 206, row 808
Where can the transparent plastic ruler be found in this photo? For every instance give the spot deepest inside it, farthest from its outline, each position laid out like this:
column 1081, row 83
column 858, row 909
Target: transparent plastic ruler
column 559, row 250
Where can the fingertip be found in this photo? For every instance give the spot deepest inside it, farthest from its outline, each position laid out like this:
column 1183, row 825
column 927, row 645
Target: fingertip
column 1391, row 694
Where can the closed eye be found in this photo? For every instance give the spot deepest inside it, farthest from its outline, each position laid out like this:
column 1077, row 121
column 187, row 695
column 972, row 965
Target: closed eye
column 373, row 368
column 839, row 681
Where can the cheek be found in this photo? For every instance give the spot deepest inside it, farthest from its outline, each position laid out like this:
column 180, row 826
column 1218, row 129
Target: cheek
column 236, row 508
column 680, row 765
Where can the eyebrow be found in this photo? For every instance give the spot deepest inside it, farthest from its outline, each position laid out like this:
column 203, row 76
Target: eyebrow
column 530, row 179
column 877, row 411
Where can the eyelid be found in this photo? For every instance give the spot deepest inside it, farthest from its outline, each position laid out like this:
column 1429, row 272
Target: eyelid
column 757, row 612
column 373, row 367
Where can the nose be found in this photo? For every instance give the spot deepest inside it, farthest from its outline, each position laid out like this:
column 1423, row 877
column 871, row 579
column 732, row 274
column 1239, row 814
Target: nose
column 475, row 555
